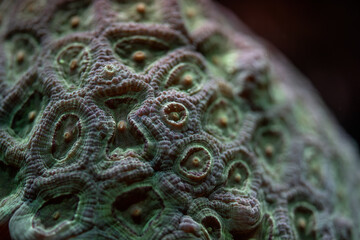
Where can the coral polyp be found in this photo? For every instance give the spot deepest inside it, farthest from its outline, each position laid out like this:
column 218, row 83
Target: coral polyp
column 162, row 119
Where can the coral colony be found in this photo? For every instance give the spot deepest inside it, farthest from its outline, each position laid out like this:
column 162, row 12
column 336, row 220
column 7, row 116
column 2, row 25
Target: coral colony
column 162, row 119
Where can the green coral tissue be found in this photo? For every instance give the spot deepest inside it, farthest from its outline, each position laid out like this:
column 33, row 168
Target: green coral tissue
column 162, row 120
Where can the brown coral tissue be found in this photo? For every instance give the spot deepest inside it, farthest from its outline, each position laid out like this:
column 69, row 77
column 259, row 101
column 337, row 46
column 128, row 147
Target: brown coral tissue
column 162, row 119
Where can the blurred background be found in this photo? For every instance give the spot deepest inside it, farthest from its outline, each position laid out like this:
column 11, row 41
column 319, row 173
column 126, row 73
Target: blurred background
column 322, row 39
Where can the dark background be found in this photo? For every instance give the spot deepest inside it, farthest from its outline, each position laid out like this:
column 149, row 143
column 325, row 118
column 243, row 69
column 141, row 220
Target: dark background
column 322, row 39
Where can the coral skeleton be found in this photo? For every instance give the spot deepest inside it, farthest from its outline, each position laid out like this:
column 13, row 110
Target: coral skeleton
column 162, row 119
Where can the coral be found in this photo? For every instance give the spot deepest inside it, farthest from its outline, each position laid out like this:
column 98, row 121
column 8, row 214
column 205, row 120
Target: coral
column 162, row 119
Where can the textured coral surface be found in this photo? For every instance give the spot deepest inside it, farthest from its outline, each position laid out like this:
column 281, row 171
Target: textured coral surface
column 161, row 119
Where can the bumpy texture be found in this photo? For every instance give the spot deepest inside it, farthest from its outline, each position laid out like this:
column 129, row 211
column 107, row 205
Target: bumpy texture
column 161, row 119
